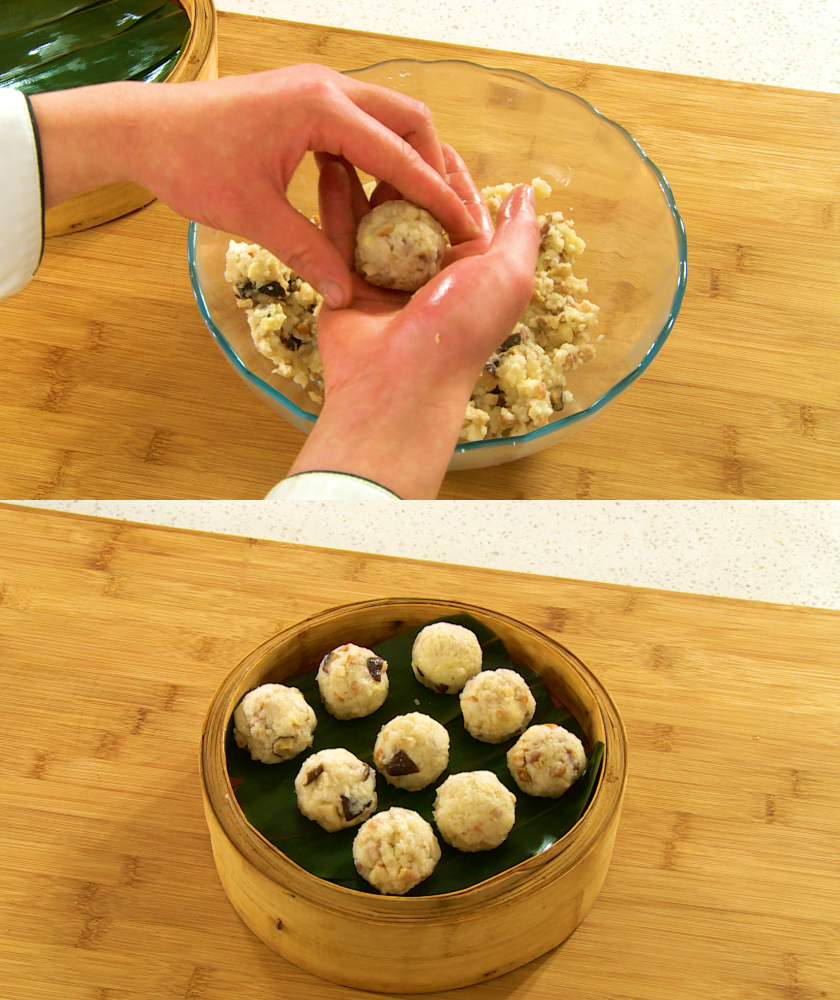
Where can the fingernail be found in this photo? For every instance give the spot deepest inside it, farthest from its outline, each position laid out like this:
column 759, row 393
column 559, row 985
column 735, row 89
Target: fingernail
column 531, row 195
column 332, row 293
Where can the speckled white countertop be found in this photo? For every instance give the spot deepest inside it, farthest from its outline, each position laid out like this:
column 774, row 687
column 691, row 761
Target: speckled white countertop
column 762, row 550
column 781, row 551
column 789, row 43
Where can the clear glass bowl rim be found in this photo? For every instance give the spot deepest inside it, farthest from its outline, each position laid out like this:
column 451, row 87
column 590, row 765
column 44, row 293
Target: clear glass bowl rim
column 554, row 425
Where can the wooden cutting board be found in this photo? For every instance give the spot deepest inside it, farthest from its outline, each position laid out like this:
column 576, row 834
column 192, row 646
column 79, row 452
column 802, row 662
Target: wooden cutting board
column 113, row 387
column 725, row 880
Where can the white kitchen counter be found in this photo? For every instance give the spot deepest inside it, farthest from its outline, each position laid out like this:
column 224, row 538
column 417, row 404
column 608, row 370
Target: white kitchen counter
column 782, row 551
column 789, row 43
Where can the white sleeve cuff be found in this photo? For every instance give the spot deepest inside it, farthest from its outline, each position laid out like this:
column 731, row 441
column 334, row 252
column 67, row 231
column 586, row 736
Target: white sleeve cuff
column 20, row 193
column 329, row 486
column 21, row 220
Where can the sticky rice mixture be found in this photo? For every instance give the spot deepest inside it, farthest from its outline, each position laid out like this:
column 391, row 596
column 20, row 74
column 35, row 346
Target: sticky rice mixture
column 395, row 850
column 352, row 681
column 474, row 811
column 336, row 789
column 274, row 723
column 411, row 751
column 399, row 245
column 522, row 385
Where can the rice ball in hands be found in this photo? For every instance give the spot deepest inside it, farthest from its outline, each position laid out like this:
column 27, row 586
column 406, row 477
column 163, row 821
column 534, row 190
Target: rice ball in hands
column 399, row 245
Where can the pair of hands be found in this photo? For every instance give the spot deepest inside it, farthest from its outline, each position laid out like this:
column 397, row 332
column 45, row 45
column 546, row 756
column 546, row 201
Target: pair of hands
column 398, row 371
column 223, row 152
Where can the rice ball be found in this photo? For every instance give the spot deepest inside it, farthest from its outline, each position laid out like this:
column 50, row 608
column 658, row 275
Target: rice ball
column 411, row 751
column 274, row 722
column 445, row 656
column 336, row 789
column 353, row 681
column 474, row 811
column 546, row 760
column 496, row 705
column 395, row 850
column 399, row 245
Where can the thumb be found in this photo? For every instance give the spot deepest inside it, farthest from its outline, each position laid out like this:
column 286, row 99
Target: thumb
column 303, row 247
column 517, row 230
column 482, row 296
column 511, row 258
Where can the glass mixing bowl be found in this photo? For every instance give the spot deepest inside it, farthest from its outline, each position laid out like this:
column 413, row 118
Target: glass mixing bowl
column 511, row 127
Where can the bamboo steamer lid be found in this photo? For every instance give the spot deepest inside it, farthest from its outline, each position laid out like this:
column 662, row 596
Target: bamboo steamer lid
column 413, row 944
column 198, row 61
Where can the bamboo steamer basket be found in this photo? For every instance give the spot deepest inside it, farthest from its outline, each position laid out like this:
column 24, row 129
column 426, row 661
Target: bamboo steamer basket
column 412, row 944
column 198, row 61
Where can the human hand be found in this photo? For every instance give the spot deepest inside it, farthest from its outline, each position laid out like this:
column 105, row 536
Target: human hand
column 399, row 370
column 223, row 152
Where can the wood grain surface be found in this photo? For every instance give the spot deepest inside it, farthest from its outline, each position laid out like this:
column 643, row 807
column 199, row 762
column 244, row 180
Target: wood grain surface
column 725, row 879
column 113, row 387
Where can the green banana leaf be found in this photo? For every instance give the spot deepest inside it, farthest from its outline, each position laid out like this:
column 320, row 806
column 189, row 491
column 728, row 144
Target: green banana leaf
column 28, row 51
column 117, row 40
column 19, row 15
column 157, row 74
column 266, row 794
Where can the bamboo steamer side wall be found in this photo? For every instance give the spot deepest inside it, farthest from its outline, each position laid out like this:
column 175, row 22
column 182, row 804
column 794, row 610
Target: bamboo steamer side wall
column 198, row 61
column 434, row 942
column 438, row 954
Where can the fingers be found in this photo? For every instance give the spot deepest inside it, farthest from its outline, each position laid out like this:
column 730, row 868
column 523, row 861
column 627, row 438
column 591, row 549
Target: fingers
column 358, row 198
column 335, row 202
column 460, row 178
column 384, row 192
column 464, row 186
column 372, row 147
column 403, row 115
column 516, row 225
column 475, row 303
column 517, row 240
column 308, row 251
column 342, row 205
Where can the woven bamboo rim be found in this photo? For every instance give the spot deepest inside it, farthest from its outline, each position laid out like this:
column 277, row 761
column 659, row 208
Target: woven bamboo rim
column 198, row 61
column 260, row 879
